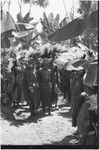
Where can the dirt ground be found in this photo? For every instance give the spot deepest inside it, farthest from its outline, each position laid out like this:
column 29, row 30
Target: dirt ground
column 55, row 129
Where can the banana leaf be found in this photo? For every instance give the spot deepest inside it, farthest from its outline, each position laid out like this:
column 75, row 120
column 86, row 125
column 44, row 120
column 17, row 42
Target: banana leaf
column 92, row 75
column 76, row 65
column 7, row 23
column 81, row 62
column 22, row 33
column 25, row 26
column 27, row 18
column 5, row 43
column 8, row 34
column 70, row 67
column 76, row 27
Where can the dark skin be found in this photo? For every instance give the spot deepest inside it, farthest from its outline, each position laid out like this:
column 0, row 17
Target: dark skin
column 93, row 117
column 15, row 84
column 47, row 86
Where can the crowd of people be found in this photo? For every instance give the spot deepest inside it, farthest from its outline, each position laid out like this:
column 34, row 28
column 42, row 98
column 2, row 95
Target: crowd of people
column 33, row 82
column 36, row 83
column 39, row 83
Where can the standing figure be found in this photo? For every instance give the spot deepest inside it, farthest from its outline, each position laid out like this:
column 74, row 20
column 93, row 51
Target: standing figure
column 16, row 88
column 7, row 87
column 6, row 95
column 26, row 83
column 55, row 85
column 27, row 89
column 34, row 87
column 87, row 118
column 75, row 98
column 65, row 84
column 44, row 78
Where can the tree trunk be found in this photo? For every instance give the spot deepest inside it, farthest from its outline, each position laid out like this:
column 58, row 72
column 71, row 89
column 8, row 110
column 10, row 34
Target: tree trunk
column 30, row 5
column 20, row 6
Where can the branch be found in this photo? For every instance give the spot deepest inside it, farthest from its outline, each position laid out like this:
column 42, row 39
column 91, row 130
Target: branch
column 3, row 3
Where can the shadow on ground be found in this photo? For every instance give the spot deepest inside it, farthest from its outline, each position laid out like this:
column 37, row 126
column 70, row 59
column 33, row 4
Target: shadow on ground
column 65, row 114
column 68, row 140
column 72, row 141
column 16, row 117
column 21, row 116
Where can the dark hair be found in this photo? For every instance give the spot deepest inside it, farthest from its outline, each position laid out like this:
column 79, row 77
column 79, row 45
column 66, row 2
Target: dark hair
column 95, row 88
column 83, row 72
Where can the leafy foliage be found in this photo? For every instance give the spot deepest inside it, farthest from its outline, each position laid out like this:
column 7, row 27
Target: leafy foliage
column 41, row 3
column 25, row 19
column 87, row 6
column 29, row 40
column 90, row 37
column 49, row 25
column 69, row 54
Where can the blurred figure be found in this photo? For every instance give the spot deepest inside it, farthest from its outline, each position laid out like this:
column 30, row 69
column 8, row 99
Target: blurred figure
column 28, row 88
column 55, row 85
column 34, row 88
column 87, row 117
column 77, row 90
column 16, row 87
column 65, row 84
column 44, row 79
column 6, row 94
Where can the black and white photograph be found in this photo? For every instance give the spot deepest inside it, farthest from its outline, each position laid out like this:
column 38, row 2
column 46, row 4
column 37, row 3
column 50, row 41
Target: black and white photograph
column 49, row 74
